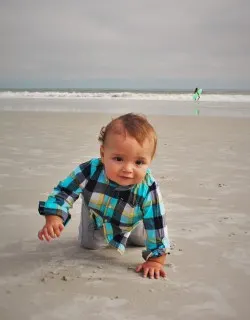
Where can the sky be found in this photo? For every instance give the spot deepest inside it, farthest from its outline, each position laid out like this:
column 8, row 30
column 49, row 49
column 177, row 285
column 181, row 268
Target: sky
column 119, row 44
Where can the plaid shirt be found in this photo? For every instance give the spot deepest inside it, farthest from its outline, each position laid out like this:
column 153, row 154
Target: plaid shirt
column 114, row 208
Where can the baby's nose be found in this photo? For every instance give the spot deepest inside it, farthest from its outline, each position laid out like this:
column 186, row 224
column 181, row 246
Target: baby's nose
column 128, row 167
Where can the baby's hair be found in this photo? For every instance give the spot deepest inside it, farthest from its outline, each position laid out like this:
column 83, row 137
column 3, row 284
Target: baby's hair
column 135, row 125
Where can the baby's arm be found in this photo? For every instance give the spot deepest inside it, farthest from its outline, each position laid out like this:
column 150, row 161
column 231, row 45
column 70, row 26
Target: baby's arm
column 157, row 242
column 56, row 208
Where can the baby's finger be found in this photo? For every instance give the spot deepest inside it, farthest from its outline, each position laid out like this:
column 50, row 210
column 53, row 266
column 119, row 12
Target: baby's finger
column 138, row 268
column 61, row 227
column 145, row 272
column 157, row 274
column 40, row 235
column 151, row 273
column 51, row 231
column 46, row 234
column 163, row 273
column 57, row 230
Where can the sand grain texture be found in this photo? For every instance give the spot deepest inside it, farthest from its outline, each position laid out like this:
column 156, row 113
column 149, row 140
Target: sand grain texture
column 203, row 168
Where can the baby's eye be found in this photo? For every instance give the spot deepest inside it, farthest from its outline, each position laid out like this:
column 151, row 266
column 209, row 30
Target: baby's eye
column 118, row 159
column 139, row 162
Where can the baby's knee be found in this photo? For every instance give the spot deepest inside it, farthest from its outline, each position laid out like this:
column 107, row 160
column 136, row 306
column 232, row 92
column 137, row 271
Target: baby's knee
column 92, row 239
column 138, row 236
column 89, row 246
column 137, row 240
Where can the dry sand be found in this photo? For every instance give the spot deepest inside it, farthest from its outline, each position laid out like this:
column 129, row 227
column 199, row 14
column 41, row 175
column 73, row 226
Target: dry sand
column 203, row 168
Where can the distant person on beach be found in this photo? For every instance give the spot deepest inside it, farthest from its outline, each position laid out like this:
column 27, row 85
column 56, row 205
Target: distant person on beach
column 121, row 200
column 196, row 91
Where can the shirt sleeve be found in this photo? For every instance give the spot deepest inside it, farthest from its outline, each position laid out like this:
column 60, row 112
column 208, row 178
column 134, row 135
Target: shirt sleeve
column 154, row 219
column 66, row 193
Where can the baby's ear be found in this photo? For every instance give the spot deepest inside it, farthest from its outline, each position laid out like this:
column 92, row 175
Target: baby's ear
column 102, row 152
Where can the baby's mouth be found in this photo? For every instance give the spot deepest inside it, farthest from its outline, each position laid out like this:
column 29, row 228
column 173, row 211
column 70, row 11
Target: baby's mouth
column 125, row 177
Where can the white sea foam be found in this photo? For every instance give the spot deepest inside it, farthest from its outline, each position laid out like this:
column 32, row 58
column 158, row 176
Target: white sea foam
column 209, row 97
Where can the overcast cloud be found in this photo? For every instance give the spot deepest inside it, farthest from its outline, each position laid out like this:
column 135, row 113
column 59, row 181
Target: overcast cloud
column 125, row 43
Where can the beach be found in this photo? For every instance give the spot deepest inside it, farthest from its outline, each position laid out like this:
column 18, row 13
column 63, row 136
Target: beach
column 203, row 169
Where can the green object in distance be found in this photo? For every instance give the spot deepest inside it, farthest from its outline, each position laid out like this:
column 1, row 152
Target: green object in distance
column 197, row 94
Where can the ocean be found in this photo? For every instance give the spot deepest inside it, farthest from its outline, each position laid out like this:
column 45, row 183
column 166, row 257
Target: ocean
column 220, row 103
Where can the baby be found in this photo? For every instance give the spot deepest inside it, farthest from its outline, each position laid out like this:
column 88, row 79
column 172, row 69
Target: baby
column 121, row 201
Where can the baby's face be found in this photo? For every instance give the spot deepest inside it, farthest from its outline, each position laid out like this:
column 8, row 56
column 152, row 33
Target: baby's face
column 125, row 160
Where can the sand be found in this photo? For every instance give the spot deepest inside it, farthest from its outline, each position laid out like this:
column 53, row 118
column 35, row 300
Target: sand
column 203, row 168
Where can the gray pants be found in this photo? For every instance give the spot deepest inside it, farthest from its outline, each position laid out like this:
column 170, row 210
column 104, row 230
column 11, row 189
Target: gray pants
column 94, row 239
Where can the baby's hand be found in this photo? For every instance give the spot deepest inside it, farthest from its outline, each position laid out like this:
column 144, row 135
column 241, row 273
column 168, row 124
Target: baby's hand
column 151, row 269
column 52, row 228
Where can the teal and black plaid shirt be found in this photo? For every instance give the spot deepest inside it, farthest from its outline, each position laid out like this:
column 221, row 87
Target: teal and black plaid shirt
column 114, row 208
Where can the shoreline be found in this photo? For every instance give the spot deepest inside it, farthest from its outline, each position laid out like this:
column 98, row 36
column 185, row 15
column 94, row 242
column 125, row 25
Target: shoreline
column 232, row 109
